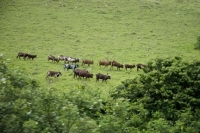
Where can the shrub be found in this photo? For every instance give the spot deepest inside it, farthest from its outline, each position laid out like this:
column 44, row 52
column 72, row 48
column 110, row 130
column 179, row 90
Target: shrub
column 197, row 44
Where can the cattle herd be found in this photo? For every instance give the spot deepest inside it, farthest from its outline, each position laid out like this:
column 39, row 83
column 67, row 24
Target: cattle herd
column 72, row 63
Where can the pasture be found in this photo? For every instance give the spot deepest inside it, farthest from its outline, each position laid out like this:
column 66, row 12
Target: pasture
column 126, row 31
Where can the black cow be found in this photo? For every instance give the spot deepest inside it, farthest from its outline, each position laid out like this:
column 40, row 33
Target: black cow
column 129, row 66
column 30, row 56
column 53, row 74
column 76, row 72
column 21, row 54
column 71, row 66
column 140, row 66
column 103, row 77
column 89, row 75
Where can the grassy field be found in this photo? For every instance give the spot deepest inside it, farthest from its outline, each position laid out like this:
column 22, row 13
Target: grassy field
column 129, row 31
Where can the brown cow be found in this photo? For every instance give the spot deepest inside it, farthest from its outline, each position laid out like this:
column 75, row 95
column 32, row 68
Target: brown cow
column 51, row 57
column 129, row 66
column 87, row 62
column 79, row 73
column 83, row 73
column 140, row 66
column 104, row 63
column 116, row 64
column 56, row 60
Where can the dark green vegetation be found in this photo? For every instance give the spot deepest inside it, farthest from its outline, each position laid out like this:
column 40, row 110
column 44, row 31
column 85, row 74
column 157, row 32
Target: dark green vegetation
column 162, row 34
column 165, row 98
column 197, row 44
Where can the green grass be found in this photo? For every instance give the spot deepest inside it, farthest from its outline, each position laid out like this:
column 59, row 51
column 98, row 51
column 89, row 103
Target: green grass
column 127, row 31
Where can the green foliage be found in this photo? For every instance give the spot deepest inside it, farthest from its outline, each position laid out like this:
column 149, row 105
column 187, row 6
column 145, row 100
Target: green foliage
column 25, row 107
column 162, row 99
column 16, row 90
column 197, row 44
column 167, row 87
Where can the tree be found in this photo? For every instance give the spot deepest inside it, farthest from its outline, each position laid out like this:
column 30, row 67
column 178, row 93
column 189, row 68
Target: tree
column 169, row 87
column 26, row 107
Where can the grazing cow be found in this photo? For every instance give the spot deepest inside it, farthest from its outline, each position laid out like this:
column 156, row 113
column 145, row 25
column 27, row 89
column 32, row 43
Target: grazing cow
column 62, row 57
column 116, row 64
column 103, row 77
column 104, row 63
column 51, row 57
column 87, row 62
column 72, row 60
column 53, row 74
column 70, row 66
column 21, row 54
column 30, row 56
column 140, row 66
column 129, row 66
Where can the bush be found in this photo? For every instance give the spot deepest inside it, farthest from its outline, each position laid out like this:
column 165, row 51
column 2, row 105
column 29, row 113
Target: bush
column 197, row 45
column 167, row 89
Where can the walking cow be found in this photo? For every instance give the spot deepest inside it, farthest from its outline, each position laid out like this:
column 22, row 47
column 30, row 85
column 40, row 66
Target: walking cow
column 87, row 62
column 104, row 63
column 116, row 64
column 70, row 66
column 53, row 74
column 103, row 77
column 21, row 54
column 129, row 66
column 140, row 66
